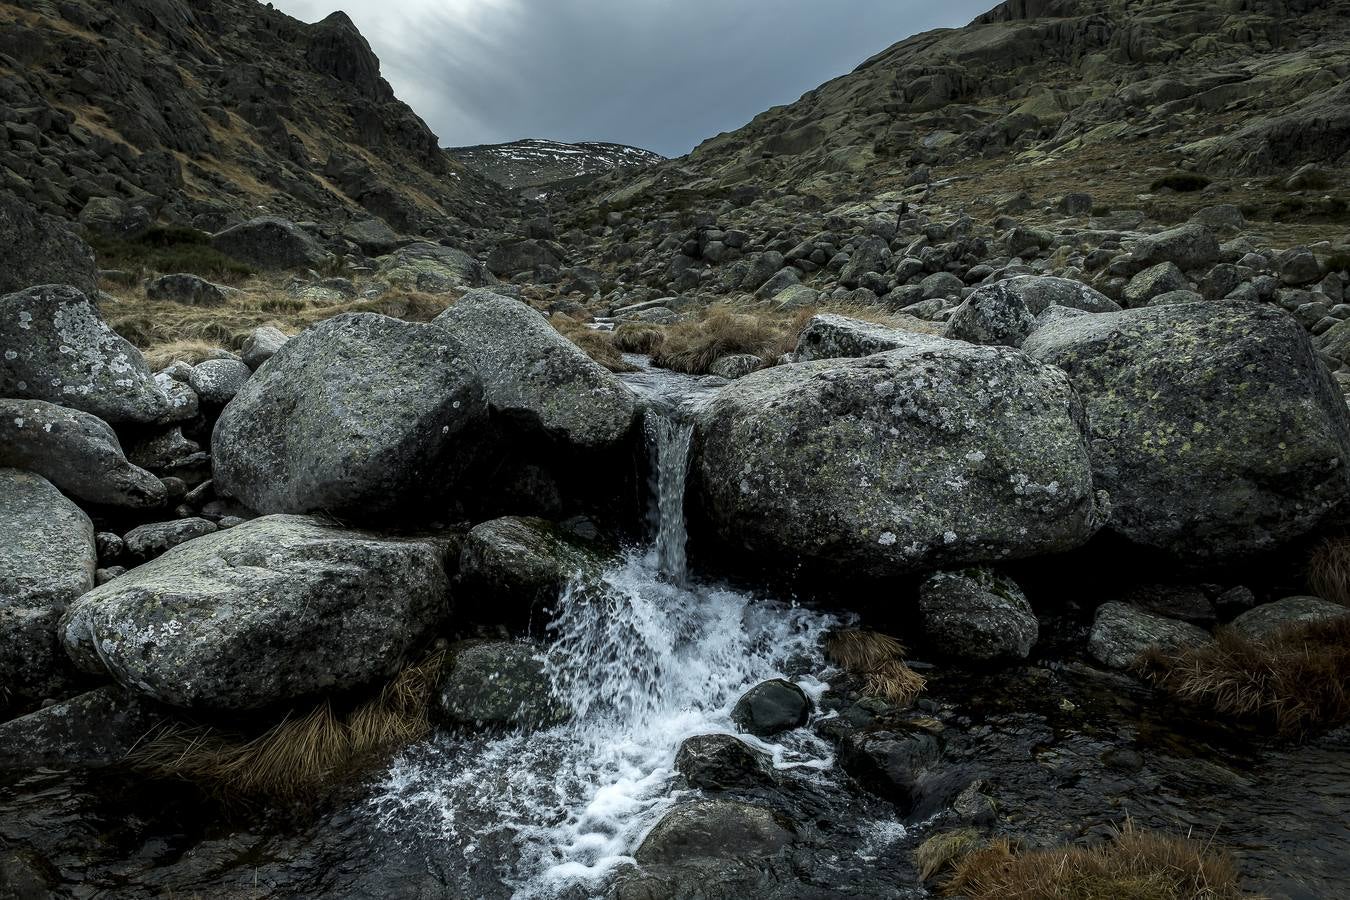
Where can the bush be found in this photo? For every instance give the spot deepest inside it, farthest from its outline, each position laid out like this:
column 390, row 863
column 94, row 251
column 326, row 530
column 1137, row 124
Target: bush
column 1135, row 865
column 1181, row 182
column 1296, row 681
column 303, row 756
column 879, row 660
column 168, row 250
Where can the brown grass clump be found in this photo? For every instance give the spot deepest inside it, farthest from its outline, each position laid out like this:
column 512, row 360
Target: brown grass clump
column 1329, row 570
column 155, row 324
column 1296, row 681
column 598, row 345
column 692, row 347
column 190, row 352
column 1136, row 865
column 945, row 851
column 301, row 756
column 879, row 660
column 634, row 337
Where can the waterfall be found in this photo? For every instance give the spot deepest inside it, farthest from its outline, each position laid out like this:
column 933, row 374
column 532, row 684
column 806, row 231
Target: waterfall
column 645, row 656
column 668, row 439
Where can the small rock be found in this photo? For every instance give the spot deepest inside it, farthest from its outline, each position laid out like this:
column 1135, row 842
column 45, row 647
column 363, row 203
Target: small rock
column 977, row 614
column 1121, row 634
column 499, row 684
column 145, row 542
column 771, row 707
column 721, row 762
column 217, row 381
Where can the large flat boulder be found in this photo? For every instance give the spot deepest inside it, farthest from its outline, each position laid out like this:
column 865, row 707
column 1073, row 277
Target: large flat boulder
column 534, row 375
column 55, row 346
column 935, row 454
column 77, row 452
column 39, row 249
column 275, row 609
column 47, row 559
column 432, row 268
column 268, row 242
column 1216, row 430
column 360, row 416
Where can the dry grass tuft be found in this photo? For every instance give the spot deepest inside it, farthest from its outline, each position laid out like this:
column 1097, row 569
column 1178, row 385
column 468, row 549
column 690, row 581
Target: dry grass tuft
column 692, row 347
column 879, row 660
column 634, row 337
column 598, row 345
column 1295, row 681
column 945, row 851
column 301, row 756
column 190, row 352
column 1136, row 865
column 1329, row 570
column 155, row 324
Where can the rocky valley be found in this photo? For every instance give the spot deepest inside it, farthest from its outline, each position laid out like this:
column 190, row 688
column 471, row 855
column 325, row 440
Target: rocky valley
column 937, row 487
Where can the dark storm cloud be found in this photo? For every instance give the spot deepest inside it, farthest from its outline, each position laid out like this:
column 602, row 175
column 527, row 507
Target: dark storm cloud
column 662, row 74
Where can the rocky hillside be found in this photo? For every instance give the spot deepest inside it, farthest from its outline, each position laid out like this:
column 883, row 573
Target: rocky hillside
column 533, row 162
column 200, row 111
column 1035, row 92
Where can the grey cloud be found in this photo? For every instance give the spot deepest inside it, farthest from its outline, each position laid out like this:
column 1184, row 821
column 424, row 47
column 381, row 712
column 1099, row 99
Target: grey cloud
column 660, row 74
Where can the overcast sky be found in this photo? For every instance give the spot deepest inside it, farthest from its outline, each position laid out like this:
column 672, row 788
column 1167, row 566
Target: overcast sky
column 660, row 74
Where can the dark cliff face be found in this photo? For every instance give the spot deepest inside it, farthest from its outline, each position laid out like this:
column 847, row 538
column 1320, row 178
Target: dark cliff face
column 216, row 107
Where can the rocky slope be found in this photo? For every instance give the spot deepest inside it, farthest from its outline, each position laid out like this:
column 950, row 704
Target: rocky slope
column 1039, row 91
column 534, row 162
column 199, row 112
column 918, row 349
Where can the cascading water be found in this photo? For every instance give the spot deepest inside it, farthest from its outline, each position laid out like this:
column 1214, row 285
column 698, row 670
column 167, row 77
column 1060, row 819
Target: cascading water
column 645, row 657
column 668, row 438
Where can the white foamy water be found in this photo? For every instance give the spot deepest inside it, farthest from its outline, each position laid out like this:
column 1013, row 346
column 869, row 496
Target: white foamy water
column 645, row 657
column 645, row 664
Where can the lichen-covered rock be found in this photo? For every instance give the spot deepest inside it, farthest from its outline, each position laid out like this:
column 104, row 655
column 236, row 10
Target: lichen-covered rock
column 261, row 345
column 532, row 373
column 55, row 346
column 432, row 268
column 216, row 381
column 499, row 684
column 360, row 416
column 38, row 249
column 47, row 559
column 269, row 611
column 938, row 453
column 268, row 242
column 511, row 567
column 735, row 365
column 1215, row 429
column 75, row 451
column 977, row 614
column 1268, row 619
column 145, row 542
column 1164, row 278
column 1006, row 311
column 1191, row 246
column 832, row 336
column 1121, row 634
column 188, row 289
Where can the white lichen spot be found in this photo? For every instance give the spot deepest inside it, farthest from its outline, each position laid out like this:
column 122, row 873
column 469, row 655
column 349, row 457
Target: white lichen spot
column 887, row 539
column 949, row 537
column 25, row 320
column 11, row 354
column 18, row 423
column 975, row 456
